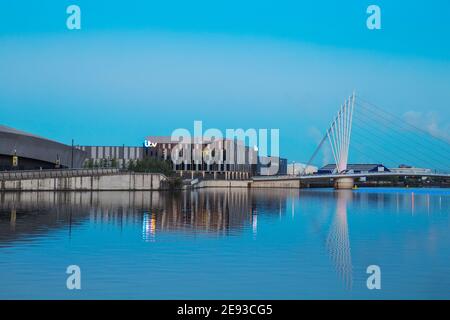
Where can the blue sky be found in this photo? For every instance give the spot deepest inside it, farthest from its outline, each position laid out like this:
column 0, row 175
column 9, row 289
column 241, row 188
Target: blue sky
column 141, row 68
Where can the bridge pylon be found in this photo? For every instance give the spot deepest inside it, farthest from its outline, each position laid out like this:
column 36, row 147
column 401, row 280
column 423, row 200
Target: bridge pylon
column 339, row 134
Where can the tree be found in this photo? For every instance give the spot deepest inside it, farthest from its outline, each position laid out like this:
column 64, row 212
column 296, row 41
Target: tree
column 151, row 165
column 114, row 163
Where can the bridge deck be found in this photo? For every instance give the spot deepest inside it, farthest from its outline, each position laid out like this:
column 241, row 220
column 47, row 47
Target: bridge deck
column 351, row 175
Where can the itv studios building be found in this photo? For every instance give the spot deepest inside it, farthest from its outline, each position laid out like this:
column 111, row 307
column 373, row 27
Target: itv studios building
column 223, row 158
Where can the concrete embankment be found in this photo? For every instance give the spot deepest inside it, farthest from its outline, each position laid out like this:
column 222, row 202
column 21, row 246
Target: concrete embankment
column 107, row 179
column 288, row 183
column 124, row 181
column 280, row 183
column 223, row 184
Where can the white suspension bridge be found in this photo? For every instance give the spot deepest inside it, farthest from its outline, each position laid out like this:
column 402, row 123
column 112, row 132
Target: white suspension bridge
column 382, row 137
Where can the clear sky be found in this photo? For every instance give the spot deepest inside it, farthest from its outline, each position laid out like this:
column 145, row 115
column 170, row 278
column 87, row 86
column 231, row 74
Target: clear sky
column 139, row 68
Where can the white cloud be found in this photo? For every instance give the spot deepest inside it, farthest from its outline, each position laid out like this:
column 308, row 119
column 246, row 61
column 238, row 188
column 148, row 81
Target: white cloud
column 429, row 122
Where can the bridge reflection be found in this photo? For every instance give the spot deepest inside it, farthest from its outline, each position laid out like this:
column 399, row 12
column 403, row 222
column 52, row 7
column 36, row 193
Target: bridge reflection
column 338, row 241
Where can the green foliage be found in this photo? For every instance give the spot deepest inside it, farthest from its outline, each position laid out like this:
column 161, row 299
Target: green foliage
column 175, row 183
column 151, row 165
column 114, row 163
column 131, row 166
column 88, row 164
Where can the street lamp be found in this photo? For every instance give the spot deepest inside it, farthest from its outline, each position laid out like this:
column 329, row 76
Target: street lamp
column 71, row 161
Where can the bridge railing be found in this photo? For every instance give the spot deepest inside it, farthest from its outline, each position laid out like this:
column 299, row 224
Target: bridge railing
column 55, row 173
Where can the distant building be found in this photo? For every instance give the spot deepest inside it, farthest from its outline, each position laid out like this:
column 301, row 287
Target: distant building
column 355, row 168
column 296, row 169
column 410, row 170
column 271, row 166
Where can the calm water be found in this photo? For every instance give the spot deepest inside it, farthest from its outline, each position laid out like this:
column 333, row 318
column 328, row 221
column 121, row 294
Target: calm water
column 219, row 243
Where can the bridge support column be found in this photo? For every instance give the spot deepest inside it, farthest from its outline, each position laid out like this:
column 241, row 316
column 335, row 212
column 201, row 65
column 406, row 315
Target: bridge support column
column 344, row 183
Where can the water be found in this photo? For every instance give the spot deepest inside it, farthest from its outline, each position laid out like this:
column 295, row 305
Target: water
column 220, row 243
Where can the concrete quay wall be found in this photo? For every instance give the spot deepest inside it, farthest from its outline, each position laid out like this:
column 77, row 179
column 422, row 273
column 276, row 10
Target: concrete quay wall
column 119, row 181
column 223, row 184
column 288, row 183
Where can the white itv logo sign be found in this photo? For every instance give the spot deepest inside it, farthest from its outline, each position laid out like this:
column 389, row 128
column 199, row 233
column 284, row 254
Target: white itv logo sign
column 149, row 144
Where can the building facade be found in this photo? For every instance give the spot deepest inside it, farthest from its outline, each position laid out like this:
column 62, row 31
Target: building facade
column 410, row 170
column 220, row 159
column 271, row 166
column 217, row 158
column 25, row 151
column 295, row 169
column 111, row 156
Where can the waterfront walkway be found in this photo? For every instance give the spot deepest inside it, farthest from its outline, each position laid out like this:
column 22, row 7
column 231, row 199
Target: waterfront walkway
column 55, row 173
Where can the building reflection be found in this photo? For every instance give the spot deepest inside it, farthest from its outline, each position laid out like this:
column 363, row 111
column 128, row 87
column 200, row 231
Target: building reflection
column 149, row 227
column 13, row 219
column 215, row 211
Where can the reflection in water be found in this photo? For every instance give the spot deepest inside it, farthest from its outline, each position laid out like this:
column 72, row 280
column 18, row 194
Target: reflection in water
column 13, row 219
column 254, row 224
column 338, row 241
column 149, row 227
column 217, row 211
column 222, row 212
column 242, row 243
